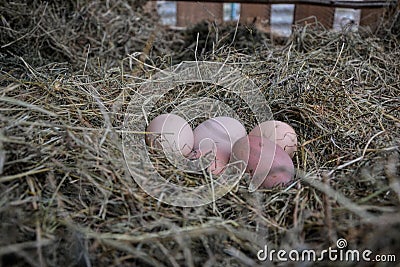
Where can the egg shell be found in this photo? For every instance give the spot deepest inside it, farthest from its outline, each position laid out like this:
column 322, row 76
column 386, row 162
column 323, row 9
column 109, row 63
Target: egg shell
column 218, row 134
column 279, row 132
column 171, row 132
column 265, row 160
column 217, row 165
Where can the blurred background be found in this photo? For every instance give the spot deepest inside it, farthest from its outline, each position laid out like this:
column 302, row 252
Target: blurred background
column 272, row 18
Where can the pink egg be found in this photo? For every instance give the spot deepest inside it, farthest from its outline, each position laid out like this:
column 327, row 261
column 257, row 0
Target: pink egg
column 217, row 134
column 171, row 132
column 279, row 132
column 217, row 165
column 268, row 164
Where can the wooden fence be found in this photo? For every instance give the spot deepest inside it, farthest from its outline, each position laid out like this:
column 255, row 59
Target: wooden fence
column 305, row 11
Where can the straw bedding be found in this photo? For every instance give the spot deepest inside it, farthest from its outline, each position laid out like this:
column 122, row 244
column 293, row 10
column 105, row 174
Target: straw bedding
column 67, row 198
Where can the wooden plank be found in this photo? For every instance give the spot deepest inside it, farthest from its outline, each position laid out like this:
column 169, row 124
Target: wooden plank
column 306, row 14
column 330, row 3
column 371, row 18
column 191, row 13
column 255, row 13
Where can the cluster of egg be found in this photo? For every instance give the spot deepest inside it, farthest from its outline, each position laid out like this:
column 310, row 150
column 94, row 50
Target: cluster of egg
column 267, row 150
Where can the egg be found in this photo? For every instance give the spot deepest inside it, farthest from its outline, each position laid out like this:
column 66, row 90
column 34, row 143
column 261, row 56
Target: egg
column 217, row 134
column 170, row 132
column 279, row 132
column 268, row 164
column 218, row 163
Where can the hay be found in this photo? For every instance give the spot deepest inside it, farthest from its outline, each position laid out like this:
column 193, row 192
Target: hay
column 89, row 35
column 67, row 197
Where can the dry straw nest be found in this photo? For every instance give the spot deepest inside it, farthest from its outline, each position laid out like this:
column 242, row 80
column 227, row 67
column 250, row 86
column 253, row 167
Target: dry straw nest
column 67, row 197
